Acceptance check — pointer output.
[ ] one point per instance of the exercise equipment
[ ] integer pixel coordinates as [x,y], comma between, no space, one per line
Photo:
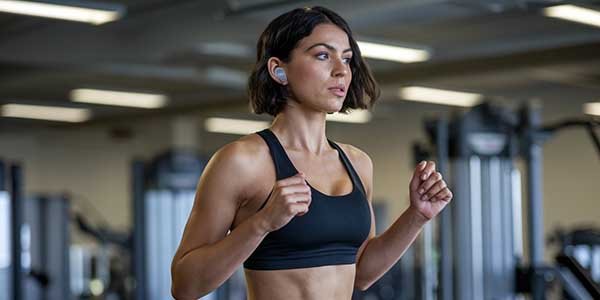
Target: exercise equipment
[34,239]
[479,237]
[579,250]
[163,195]
[16,275]
[5,235]
[45,240]
[102,269]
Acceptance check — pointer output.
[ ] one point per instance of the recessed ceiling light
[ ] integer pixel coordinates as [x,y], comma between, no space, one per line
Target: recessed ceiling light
[358,116]
[81,13]
[50,113]
[119,98]
[234,126]
[229,49]
[393,53]
[592,108]
[438,96]
[574,13]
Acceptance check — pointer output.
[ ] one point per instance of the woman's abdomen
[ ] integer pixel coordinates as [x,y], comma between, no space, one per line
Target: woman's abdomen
[326,282]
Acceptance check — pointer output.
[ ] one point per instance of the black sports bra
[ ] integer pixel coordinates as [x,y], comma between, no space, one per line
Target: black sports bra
[329,234]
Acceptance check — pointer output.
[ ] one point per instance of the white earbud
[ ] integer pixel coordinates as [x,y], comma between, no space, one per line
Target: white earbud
[280,74]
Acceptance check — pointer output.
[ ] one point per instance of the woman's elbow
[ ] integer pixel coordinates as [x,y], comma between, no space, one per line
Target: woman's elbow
[187,289]
[362,285]
[182,289]
[178,294]
[182,293]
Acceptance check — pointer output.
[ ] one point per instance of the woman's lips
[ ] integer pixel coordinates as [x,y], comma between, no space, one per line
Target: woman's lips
[338,92]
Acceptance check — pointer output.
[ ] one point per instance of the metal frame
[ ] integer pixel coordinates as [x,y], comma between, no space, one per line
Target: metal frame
[16,194]
[139,251]
[489,177]
[477,249]
[532,152]
[446,289]
[163,195]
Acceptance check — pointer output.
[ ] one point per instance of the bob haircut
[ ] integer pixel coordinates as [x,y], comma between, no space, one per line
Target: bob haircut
[279,39]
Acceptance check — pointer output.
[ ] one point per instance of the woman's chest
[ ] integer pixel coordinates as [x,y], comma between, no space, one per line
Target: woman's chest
[325,177]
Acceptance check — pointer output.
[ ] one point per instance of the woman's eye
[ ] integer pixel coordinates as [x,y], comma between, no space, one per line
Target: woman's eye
[322,56]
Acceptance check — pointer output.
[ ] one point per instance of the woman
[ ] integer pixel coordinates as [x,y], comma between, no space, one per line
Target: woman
[298,206]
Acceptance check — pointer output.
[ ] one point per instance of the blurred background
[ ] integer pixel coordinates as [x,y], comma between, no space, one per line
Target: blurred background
[111,109]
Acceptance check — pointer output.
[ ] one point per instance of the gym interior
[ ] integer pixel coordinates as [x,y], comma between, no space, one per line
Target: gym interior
[111,109]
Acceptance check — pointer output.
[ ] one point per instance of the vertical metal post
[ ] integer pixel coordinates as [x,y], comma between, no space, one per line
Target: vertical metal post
[446,291]
[476,193]
[428,263]
[17,219]
[2,176]
[139,254]
[533,156]
[5,236]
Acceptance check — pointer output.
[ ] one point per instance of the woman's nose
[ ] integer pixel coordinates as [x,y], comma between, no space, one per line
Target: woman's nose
[340,69]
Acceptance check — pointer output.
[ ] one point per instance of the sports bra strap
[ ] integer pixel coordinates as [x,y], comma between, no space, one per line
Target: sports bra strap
[283,166]
[353,175]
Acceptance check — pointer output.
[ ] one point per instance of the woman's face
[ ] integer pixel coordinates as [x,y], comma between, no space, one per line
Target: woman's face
[319,69]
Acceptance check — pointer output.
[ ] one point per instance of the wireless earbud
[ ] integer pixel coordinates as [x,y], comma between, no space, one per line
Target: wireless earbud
[280,74]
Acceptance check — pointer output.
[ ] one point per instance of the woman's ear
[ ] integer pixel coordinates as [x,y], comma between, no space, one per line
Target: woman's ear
[277,71]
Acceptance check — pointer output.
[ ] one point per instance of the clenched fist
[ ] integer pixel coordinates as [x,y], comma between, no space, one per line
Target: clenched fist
[428,191]
[290,197]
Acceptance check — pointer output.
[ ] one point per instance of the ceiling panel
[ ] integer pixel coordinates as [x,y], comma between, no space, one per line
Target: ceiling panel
[504,48]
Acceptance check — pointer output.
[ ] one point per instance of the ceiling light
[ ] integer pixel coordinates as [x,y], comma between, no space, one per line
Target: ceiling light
[592,108]
[393,53]
[234,126]
[437,96]
[574,13]
[95,16]
[51,113]
[229,49]
[359,116]
[118,98]
[226,77]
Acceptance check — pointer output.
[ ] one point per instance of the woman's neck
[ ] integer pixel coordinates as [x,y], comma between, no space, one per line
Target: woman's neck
[301,130]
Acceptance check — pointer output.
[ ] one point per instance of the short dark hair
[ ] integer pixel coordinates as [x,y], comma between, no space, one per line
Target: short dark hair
[281,37]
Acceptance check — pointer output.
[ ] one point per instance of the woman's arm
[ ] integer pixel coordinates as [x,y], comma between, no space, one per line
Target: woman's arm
[382,252]
[203,269]
[207,256]
[378,254]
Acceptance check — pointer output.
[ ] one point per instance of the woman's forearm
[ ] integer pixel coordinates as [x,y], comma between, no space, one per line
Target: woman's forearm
[204,269]
[383,251]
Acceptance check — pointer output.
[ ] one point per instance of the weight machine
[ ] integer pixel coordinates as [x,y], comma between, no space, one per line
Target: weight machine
[6,253]
[478,237]
[34,239]
[163,196]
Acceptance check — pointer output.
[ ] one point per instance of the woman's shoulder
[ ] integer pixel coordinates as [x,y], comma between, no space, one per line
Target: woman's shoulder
[239,164]
[357,156]
[243,152]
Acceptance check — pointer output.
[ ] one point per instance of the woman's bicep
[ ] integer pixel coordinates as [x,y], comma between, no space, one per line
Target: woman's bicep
[216,202]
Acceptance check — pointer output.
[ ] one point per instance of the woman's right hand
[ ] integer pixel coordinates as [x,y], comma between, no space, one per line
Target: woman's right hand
[290,197]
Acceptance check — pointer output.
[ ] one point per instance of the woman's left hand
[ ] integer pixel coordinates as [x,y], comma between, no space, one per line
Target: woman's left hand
[428,191]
